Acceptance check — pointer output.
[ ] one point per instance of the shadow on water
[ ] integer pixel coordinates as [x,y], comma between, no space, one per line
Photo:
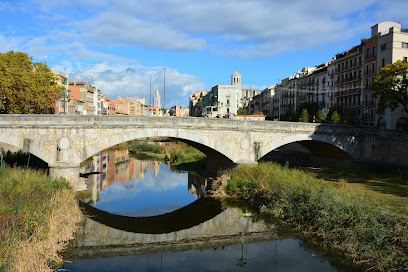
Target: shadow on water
[189,216]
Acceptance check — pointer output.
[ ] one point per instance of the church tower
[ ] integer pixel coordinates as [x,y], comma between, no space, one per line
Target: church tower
[236,79]
[156,101]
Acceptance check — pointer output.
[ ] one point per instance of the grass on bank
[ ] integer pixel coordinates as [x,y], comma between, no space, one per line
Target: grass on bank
[48,219]
[369,227]
[177,153]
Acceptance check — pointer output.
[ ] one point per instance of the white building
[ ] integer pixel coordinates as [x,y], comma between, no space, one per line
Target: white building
[392,46]
[224,99]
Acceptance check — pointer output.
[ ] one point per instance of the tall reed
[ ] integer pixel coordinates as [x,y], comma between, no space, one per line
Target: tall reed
[372,233]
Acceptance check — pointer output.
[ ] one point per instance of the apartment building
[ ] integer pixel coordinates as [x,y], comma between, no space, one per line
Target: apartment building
[179,111]
[330,90]
[61,104]
[246,96]
[368,108]
[349,71]
[392,45]
[83,92]
[195,103]
[113,106]
[104,105]
[263,102]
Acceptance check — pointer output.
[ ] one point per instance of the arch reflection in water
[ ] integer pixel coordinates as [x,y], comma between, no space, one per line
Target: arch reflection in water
[166,233]
[126,186]
[226,242]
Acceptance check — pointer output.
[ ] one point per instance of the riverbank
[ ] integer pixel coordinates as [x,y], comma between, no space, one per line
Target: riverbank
[48,219]
[178,154]
[368,226]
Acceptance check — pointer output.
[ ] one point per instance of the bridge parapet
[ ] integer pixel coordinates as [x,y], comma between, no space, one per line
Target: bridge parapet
[65,141]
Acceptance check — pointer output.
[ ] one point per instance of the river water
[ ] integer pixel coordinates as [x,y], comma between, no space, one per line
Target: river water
[144,216]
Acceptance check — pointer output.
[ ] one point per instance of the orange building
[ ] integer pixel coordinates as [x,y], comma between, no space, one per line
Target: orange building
[112,106]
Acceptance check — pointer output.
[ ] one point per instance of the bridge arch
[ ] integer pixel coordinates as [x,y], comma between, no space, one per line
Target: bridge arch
[209,146]
[25,145]
[311,142]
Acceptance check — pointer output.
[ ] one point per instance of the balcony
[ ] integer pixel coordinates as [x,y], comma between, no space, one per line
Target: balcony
[352,66]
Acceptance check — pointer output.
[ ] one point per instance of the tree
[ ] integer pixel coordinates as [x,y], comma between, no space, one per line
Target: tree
[304,117]
[321,116]
[391,86]
[350,115]
[335,117]
[241,111]
[24,84]
[311,107]
[336,108]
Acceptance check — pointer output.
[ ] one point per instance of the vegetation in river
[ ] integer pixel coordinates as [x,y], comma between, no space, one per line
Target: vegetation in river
[368,226]
[47,220]
[19,159]
[176,153]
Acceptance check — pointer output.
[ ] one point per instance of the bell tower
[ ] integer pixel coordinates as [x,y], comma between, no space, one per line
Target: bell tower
[236,78]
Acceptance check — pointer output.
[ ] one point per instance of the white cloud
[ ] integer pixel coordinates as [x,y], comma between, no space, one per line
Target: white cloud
[5,6]
[255,29]
[134,81]
[233,28]
[8,43]
[40,48]
[118,28]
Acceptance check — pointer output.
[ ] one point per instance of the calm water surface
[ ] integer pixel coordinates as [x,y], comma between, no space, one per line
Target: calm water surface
[146,217]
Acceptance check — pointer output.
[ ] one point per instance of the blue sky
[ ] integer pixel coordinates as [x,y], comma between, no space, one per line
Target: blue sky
[119,45]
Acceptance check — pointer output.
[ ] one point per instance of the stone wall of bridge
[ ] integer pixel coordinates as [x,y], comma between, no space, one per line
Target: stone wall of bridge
[65,141]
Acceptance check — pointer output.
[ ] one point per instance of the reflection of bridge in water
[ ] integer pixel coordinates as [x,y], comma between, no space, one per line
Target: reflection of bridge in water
[200,225]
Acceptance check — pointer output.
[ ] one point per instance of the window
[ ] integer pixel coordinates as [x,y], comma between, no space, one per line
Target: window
[384,46]
[374,51]
[372,67]
[366,69]
[404,45]
[368,53]
[382,62]
[372,113]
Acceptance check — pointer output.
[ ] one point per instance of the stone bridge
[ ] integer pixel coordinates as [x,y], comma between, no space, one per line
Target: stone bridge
[65,141]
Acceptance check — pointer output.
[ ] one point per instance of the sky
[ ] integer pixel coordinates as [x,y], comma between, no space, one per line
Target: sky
[132,48]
